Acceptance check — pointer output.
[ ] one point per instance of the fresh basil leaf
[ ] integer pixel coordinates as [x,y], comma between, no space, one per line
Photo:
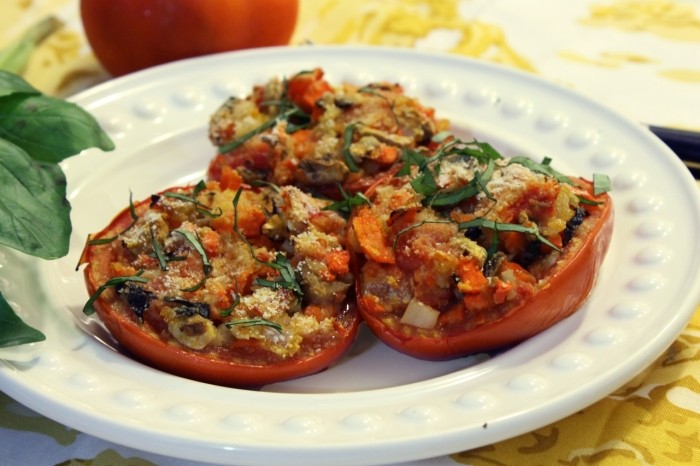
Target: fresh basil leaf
[193,239]
[10,84]
[424,183]
[287,279]
[13,331]
[253,322]
[34,213]
[49,129]
[162,260]
[483,152]
[447,198]
[411,158]
[88,308]
[481,222]
[201,208]
[544,168]
[601,184]
[347,142]
[344,207]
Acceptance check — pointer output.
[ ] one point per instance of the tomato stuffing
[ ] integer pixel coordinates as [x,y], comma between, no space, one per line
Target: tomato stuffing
[305,132]
[365,207]
[467,251]
[236,286]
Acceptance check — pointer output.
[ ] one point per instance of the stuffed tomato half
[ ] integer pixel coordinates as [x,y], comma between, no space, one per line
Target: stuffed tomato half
[465,251]
[306,132]
[225,284]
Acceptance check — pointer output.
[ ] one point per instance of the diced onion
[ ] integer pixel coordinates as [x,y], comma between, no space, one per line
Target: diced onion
[420,315]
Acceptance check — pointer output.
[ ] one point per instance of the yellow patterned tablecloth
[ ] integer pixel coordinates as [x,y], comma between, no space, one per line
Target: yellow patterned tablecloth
[596,47]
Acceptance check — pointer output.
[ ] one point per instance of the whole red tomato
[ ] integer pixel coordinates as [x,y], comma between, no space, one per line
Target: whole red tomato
[129,35]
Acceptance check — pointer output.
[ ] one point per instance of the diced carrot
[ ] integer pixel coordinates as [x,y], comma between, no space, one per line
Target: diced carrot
[223,295]
[386,155]
[223,223]
[250,222]
[513,241]
[501,291]
[230,178]
[471,278]
[453,316]
[211,241]
[306,88]
[479,300]
[372,237]
[338,262]
[521,274]
[315,311]
[472,282]
[371,303]
[303,143]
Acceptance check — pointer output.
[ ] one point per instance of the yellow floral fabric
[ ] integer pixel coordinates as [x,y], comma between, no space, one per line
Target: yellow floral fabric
[652,420]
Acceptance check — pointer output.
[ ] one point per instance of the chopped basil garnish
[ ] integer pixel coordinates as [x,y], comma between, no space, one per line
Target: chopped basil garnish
[586,201]
[193,199]
[287,278]
[255,321]
[134,218]
[344,206]
[416,225]
[295,117]
[425,183]
[162,261]
[88,309]
[347,142]
[497,226]
[236,301]
[196,286]
[471,189]
[197,245]
[601,184]
[99,241]
[544,168]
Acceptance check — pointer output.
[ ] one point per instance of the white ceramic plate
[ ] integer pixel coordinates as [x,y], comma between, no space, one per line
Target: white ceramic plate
[376,406]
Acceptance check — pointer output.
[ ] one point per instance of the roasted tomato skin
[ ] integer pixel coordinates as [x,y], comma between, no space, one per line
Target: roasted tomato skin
[563,294]
[214,366]
[129,35]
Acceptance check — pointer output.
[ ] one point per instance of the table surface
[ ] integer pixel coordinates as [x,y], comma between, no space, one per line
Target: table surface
[595,47]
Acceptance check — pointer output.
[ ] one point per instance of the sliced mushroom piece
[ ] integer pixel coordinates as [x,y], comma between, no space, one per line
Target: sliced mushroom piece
[385,137]
[324,171]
